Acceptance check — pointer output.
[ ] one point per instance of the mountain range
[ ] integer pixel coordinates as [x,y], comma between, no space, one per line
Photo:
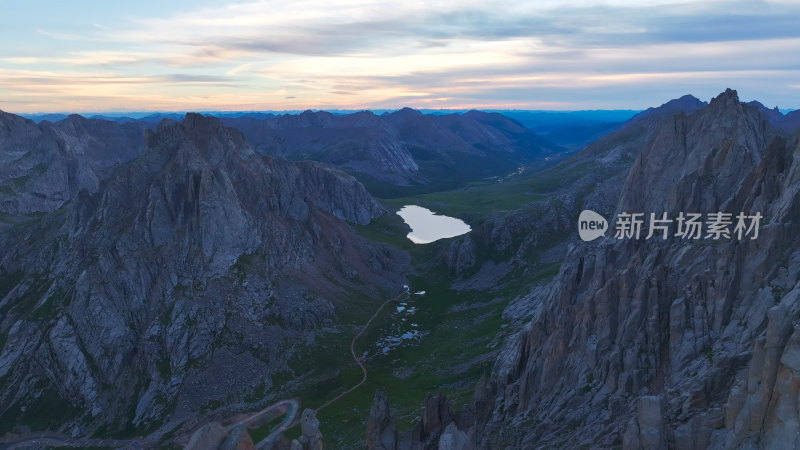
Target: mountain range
[132,274]
[161,273]
[653,343]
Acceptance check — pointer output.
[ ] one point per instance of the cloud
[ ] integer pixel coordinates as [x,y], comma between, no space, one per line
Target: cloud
[341,28]
[61,36]
[359,53]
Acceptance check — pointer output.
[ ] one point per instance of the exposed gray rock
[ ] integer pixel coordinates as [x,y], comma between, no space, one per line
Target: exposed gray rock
[311,439]
[186,278]
[438,428]
[43,166]
[676,343]
[208,437]
[381,430]
[436,416]
[453,439]
[238,439]
[646,428]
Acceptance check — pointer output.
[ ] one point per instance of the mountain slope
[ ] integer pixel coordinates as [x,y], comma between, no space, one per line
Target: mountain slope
[521,230]
[401,148]
[187,280]
[46,164]
[679,344]
[500,213]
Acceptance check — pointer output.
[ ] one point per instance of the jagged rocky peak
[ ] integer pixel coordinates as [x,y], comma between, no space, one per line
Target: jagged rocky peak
[18,136]
[206,128]
[718,144]
[669,343]
[437,428]
[406,112]
[102,142]
[687,103]
[381,429]
[44,165]
[8,121]
[206,134]
[278,184]
[729,97]
[194,257]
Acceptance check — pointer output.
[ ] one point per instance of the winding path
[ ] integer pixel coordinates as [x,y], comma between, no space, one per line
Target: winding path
[356,358]
[40,440]
[291,406]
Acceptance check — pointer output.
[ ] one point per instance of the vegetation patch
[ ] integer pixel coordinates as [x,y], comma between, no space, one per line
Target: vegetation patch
[49,411]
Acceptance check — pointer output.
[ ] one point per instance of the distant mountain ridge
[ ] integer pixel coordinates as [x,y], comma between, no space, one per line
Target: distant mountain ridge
[45,164]
[402,148]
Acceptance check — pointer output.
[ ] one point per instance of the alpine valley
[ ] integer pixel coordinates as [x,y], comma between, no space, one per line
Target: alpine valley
[163,278]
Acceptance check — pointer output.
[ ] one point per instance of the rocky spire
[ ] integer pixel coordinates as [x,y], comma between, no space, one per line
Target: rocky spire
[671,344]
[381,431]
[311,439]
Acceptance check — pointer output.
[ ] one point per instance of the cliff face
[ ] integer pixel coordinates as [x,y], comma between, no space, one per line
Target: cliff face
[42,166]
[592,178]
[185,279]
[676,343]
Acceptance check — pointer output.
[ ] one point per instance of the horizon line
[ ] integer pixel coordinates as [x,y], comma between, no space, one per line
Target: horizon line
[290,111]
[145,113]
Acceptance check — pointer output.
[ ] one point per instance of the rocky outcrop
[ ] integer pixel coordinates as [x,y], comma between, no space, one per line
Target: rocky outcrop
[381,430]
[438,428]
[209,436]
[238,439]
[434,419]
[686,105]
[213,436]
[592,178]
[311,437]
[189,277]
[669,343]
[43,166]
[453,439]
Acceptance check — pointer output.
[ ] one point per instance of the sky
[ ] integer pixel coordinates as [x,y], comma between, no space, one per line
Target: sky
[200,55]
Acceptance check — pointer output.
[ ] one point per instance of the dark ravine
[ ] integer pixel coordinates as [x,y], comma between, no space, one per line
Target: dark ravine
[186,277]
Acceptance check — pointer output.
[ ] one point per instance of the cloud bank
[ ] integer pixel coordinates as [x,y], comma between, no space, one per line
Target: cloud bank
[378,54]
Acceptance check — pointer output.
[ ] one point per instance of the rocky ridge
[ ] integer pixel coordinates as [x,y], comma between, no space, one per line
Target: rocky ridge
[437,428]
[42,166]
[650,344]
[674,343]
[594,176]
[186,278]
[400,148]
